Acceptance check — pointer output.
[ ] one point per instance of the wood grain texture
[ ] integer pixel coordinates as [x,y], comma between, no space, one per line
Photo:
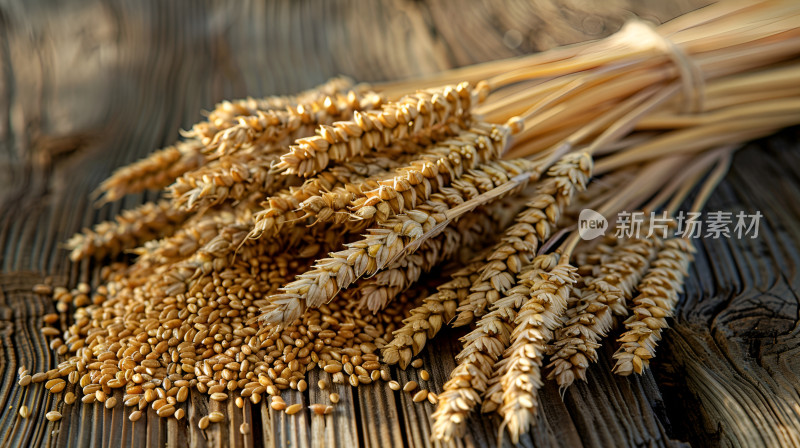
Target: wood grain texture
[91,85]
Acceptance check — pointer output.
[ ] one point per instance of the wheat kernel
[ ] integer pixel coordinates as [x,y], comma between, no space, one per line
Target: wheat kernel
[69,398]
[216,417]
[318,409]
[417,363]
[433,398]
[294,409]
[302,385]
[24,412]
[135,416]
[219,396]
[53,416]
[166,411]
[239,402]
[334,398]
[244,428]
[394,385]
[424,375]
[332,368]
[203,423]
[24,381]
[409,386]
[278,405]
[50,331]
[39,377]
[111,402]
[322,384]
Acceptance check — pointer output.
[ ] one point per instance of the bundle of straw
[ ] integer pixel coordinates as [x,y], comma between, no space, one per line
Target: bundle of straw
[358,191]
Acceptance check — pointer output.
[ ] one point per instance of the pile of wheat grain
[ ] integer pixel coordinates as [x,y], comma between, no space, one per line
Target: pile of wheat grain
[302,232]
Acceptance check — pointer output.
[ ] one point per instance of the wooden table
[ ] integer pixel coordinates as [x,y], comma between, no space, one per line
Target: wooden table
[92,85]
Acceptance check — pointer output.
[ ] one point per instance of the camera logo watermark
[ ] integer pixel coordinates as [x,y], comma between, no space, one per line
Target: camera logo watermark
[711,225]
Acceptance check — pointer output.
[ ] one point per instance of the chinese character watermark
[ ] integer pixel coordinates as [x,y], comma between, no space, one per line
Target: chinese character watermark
[711,225]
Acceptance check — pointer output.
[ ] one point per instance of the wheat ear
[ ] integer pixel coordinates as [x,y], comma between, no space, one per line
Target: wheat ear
[518,374]
[227,114]
[334,205]
[469,233]
[520,242]
[435,169]
[282,127]
[658,294]
[193,235]
[370,130]
[318,195]
[398,236]
[482,348]
[153,172]
[128,230]
[589,317]
[425,321]
[233,178]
